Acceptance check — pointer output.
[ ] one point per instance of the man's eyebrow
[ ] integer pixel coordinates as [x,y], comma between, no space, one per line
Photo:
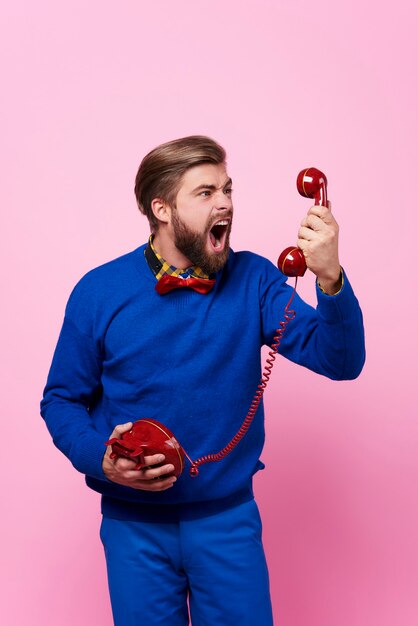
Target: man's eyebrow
[213,187]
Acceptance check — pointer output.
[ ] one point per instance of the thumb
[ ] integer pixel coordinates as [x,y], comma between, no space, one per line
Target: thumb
[120,429]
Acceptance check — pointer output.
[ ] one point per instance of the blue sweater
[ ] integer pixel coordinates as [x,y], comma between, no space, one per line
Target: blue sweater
[189,360]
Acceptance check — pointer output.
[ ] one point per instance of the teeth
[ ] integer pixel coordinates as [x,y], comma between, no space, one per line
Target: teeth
[222,223]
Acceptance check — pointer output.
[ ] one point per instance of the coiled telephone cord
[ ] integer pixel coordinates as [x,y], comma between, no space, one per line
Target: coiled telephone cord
[289,315]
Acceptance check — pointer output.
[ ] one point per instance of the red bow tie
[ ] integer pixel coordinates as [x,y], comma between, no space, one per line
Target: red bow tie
[168,283]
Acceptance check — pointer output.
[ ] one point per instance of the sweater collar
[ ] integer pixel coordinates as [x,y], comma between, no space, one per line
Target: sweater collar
[160,267]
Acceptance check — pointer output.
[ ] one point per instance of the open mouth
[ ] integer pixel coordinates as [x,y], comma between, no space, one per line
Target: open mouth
[217,235]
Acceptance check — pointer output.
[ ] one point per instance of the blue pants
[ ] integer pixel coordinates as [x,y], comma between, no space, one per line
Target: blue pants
[214,564]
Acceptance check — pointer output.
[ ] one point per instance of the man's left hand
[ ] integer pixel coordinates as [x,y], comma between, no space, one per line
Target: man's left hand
[318,240]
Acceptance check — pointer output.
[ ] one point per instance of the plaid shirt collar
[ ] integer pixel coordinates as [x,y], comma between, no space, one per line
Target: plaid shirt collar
[160,267]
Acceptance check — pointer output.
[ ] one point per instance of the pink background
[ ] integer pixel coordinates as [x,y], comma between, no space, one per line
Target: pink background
[88,89]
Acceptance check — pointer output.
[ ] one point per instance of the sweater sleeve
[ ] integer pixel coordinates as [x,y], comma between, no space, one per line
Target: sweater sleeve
[328,340]
[73,385]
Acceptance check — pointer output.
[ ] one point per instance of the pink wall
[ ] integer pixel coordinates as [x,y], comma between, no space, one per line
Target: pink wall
[88,88]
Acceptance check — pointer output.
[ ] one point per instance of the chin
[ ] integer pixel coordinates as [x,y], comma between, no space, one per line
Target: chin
[213,263]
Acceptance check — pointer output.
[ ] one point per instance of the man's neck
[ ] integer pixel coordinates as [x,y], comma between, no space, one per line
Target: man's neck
[166,248]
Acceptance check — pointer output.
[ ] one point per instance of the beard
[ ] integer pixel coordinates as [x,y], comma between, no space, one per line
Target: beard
[194,245]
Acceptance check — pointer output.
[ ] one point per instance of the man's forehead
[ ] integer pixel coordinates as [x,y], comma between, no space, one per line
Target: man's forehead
[206,174]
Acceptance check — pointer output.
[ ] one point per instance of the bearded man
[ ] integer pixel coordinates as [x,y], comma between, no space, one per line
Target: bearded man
[172,331]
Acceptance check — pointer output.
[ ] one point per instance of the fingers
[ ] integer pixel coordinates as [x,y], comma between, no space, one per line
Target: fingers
[149,473]
[305,234]
[323,212]
[155,476]
[154,485]
[312,221]
[318,240]
[151,478]
[155,459]
[319,219]
[303,244]
[122,464]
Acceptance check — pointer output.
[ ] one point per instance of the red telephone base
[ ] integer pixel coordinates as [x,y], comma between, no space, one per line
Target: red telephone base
[148,437]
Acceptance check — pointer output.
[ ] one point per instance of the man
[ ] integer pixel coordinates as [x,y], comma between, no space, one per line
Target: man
[134,346]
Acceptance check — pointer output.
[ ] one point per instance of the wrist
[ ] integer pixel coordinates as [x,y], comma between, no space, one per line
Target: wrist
[332,284]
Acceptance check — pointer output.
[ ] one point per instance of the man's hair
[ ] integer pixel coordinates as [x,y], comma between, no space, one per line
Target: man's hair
[161,170]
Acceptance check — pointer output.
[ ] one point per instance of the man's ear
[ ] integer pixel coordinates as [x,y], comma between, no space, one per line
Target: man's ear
[161,210]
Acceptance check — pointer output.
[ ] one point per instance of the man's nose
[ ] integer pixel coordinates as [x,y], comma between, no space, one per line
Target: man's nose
[222,202]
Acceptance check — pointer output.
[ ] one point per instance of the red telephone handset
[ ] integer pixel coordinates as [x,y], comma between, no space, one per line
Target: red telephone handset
[148,437]
[311,183]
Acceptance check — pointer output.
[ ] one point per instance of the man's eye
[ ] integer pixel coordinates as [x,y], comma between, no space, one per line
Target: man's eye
[205,193]
[228,191]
